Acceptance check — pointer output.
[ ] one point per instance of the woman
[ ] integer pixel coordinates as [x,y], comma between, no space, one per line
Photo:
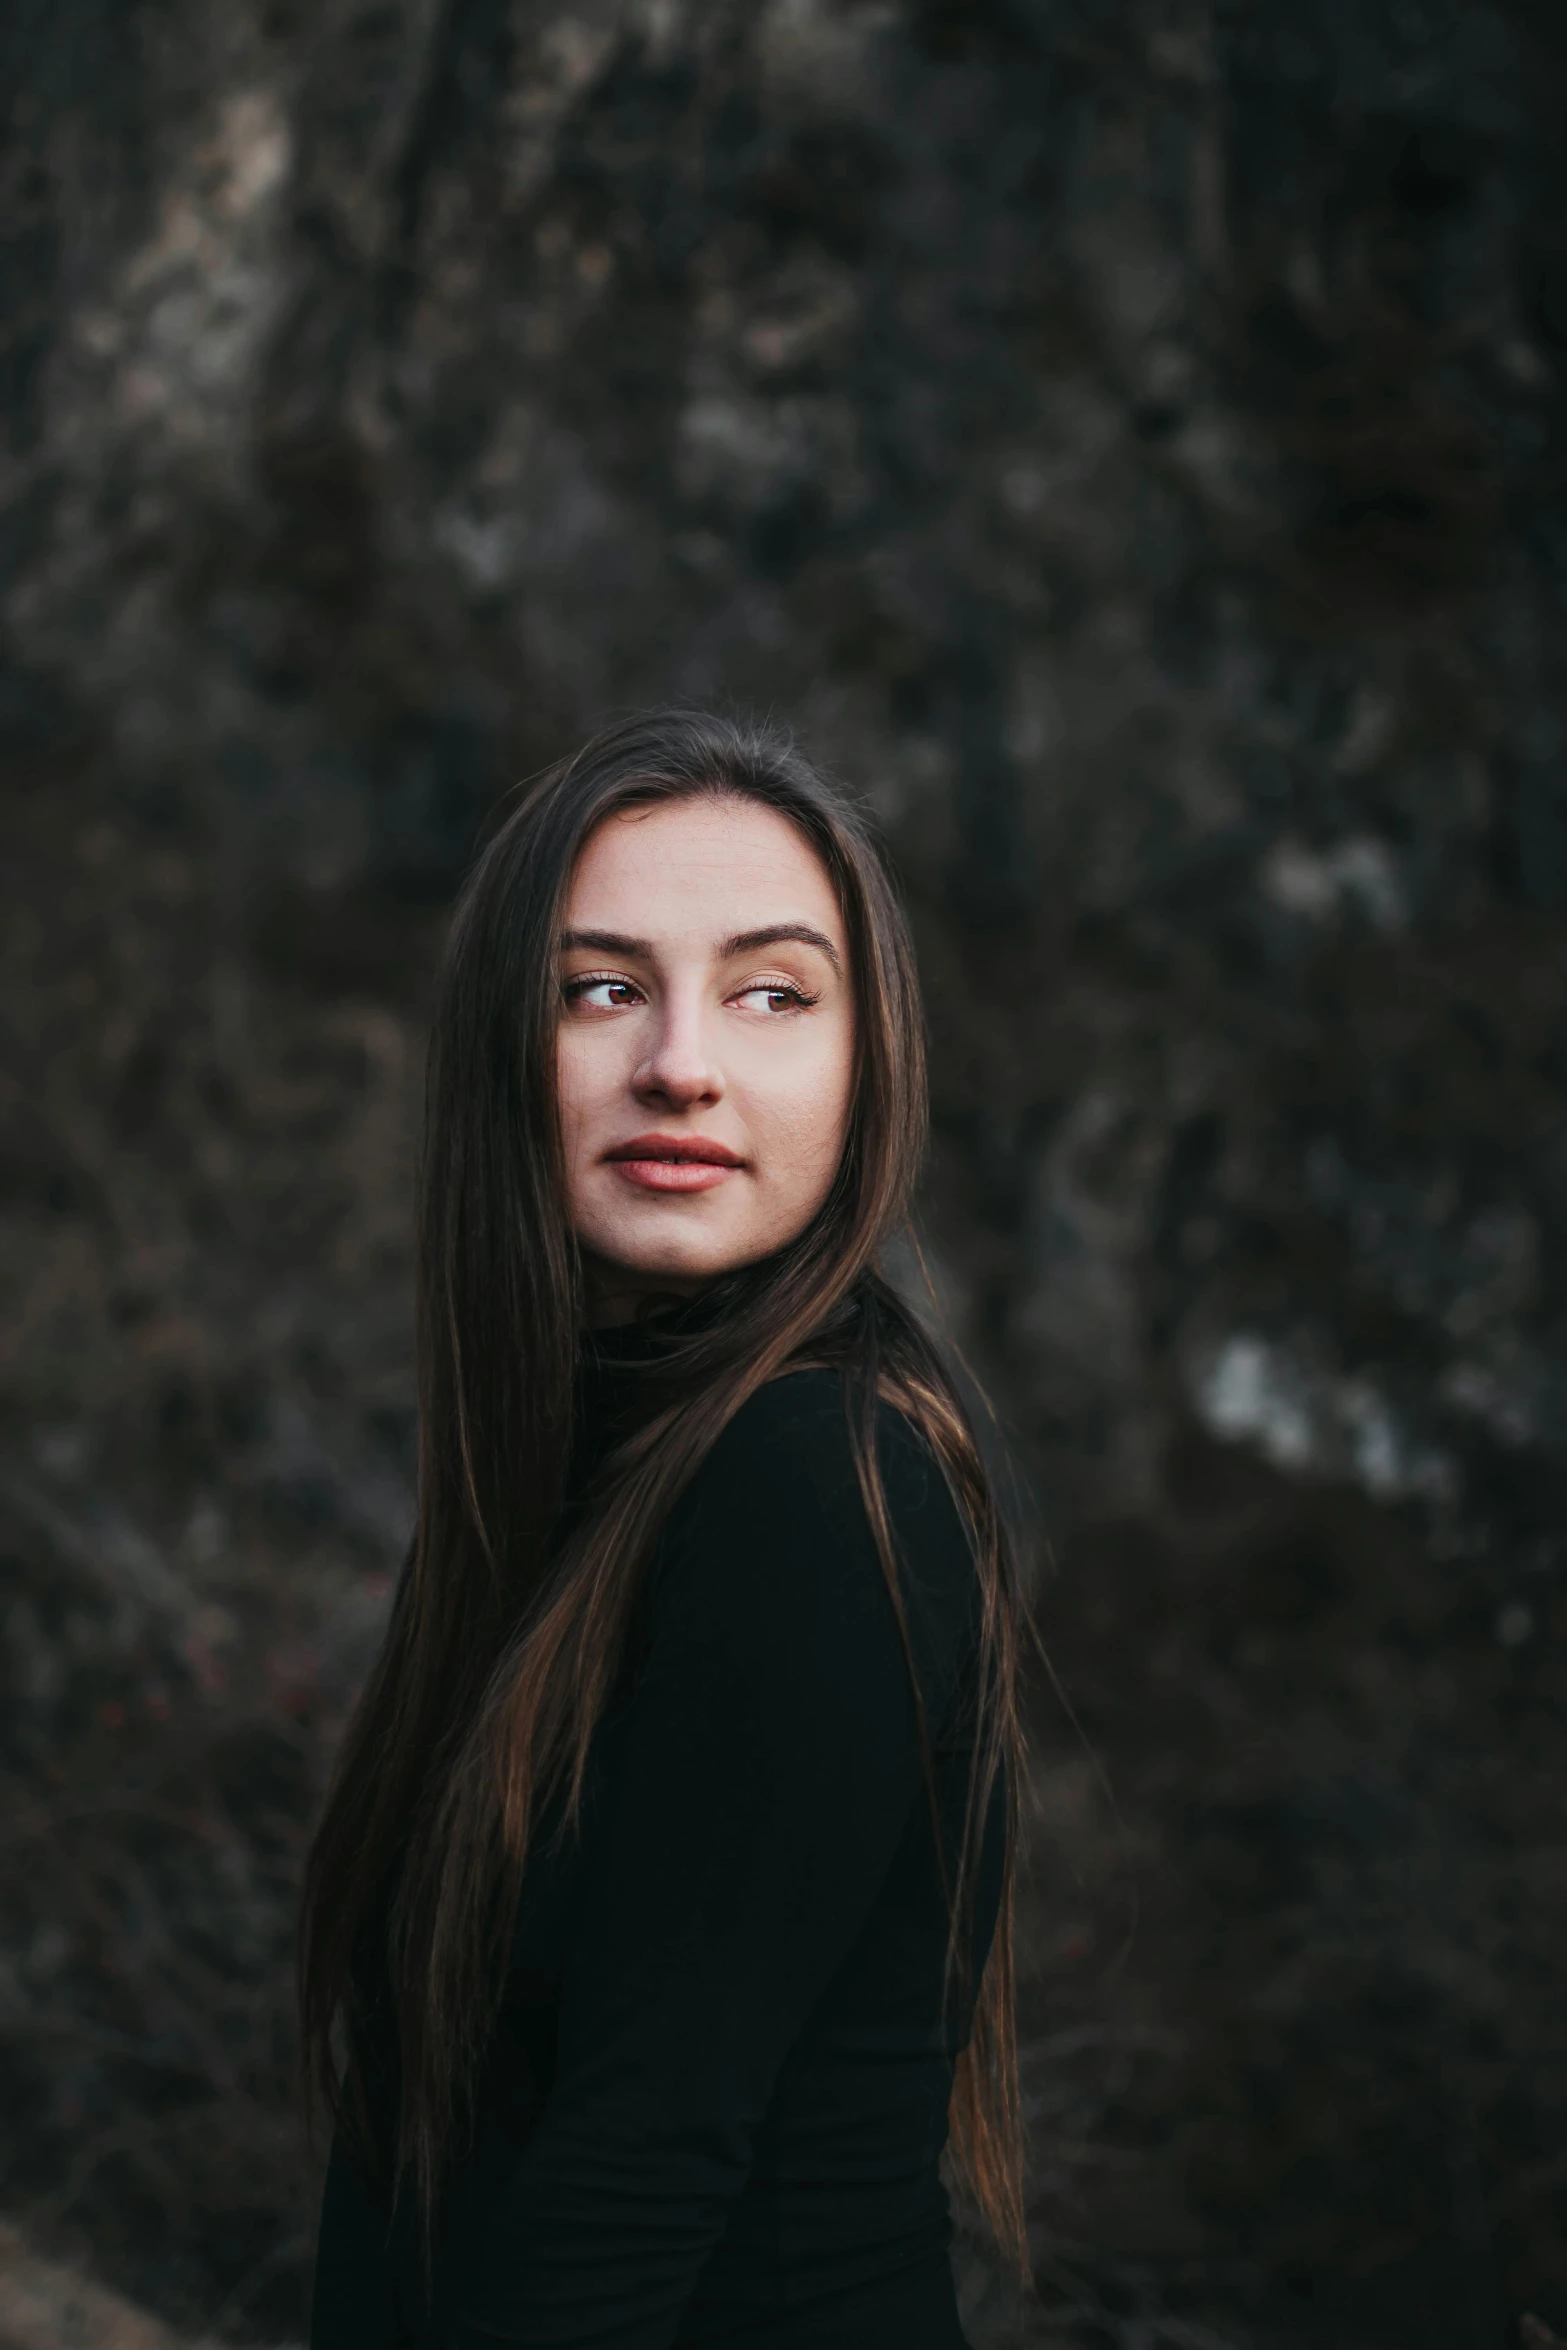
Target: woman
[655,1905]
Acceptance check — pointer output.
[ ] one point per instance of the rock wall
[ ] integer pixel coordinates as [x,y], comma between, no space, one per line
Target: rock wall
[1128,441]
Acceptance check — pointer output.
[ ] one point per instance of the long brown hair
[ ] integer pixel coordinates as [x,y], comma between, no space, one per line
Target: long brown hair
[506,1634]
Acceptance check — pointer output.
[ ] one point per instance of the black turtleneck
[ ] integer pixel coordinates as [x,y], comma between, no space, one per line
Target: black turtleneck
[716,2102]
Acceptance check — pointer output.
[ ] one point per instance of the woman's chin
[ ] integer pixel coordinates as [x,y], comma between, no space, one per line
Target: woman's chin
[646,1237]
[681,1262]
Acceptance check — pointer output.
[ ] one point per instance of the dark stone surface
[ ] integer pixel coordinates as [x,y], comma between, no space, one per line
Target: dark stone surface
[1131,442]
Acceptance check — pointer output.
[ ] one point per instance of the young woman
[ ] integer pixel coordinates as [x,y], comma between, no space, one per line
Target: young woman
[657,1928]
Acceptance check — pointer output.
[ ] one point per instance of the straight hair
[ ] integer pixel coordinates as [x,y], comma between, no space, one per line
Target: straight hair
[508,1628]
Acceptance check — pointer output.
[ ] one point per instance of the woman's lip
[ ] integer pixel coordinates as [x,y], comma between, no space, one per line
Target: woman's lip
[690,1147]
[673,1162]
[672,1174]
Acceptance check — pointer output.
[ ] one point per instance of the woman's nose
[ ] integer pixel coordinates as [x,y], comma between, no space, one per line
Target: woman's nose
[681,1068]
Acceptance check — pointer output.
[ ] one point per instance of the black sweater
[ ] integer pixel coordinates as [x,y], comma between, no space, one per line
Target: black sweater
[717,2098]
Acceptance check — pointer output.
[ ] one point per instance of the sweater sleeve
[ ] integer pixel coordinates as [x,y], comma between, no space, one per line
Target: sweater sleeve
[771,1756]
[353,2306]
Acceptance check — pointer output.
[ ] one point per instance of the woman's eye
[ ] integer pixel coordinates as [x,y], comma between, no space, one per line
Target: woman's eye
[779,997]
[602,995]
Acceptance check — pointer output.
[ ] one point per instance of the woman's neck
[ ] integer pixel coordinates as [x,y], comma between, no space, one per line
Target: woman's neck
[613,1296]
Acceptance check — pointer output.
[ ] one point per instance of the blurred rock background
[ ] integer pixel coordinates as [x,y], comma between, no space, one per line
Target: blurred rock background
[1129,439]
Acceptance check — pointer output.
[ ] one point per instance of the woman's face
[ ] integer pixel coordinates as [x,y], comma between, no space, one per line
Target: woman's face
[706,1044]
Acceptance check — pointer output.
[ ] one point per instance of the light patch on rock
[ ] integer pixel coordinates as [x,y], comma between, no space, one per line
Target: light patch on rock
[805,311]
[748,454]
[1368,731]
[194,304]
[555,67]
[1252,1393]
[1078,1316]
[1498,1270]
[1076,428]
[1225,462]
[819,48]
[1381,1462]
[1357,875]
[1278,1397]
[1514,1624]
[532,507]
[1034,727]
[485,548]
[1502,1391]
[734,444]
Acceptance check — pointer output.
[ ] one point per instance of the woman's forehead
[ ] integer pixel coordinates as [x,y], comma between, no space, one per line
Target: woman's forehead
[700,867]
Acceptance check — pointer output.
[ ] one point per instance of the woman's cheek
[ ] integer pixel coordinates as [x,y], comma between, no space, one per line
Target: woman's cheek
[581,1093]
[829,1106]
[809,1125]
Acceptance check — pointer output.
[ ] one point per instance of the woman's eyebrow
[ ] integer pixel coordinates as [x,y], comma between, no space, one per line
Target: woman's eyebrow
[746,942]
[608,942]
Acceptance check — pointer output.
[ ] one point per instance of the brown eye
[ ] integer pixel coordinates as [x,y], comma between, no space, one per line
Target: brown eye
[774,999]
[602,995]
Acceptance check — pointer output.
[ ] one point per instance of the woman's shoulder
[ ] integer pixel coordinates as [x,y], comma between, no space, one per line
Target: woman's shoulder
[770,1552]
[803,1419]
[788,1458]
